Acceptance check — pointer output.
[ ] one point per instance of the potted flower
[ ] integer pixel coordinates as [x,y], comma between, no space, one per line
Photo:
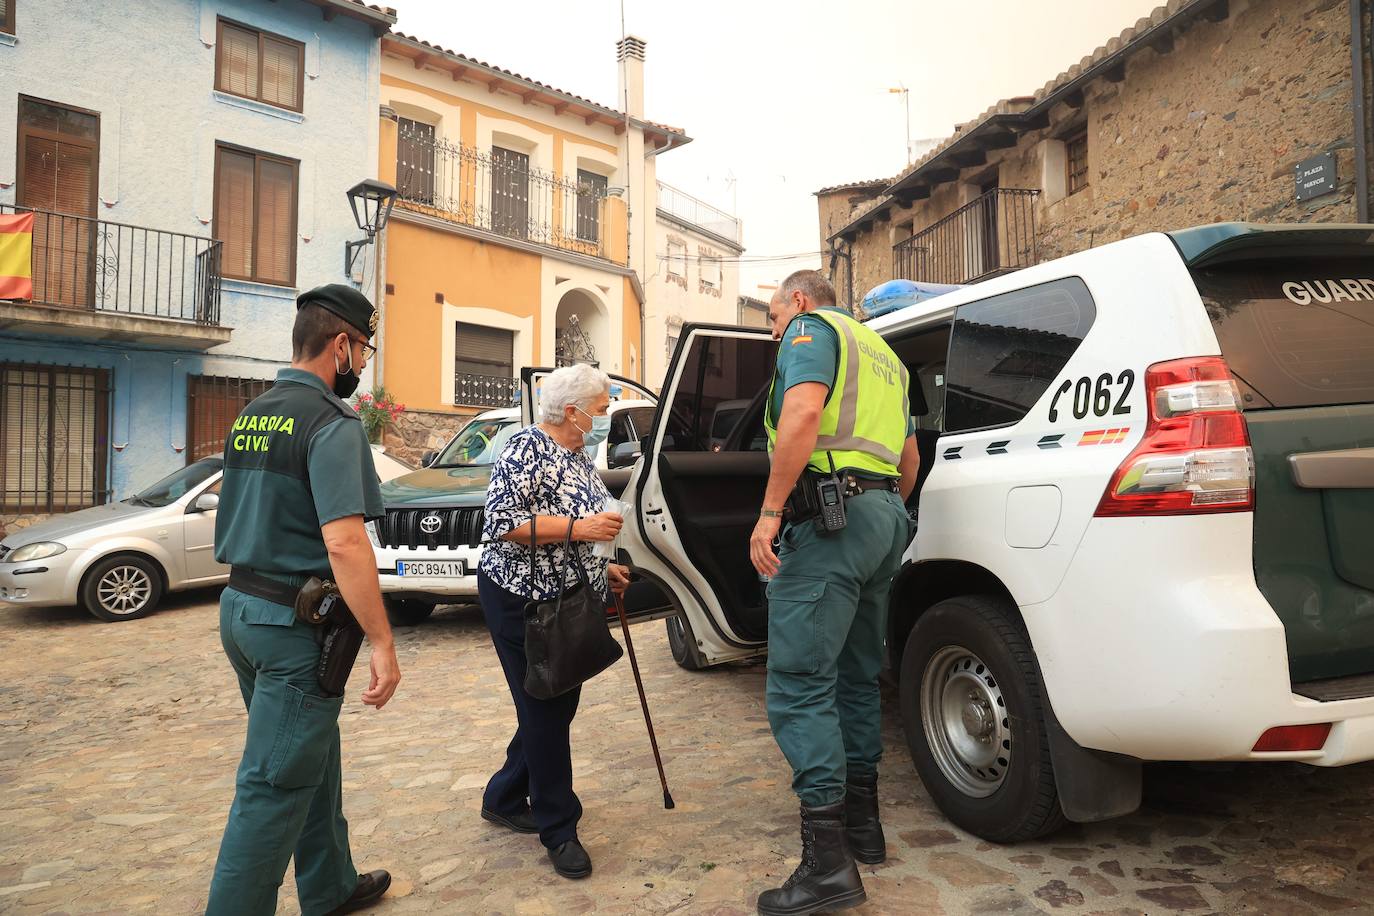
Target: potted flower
[378,411]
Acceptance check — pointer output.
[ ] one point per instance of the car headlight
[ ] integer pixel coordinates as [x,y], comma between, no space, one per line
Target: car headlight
[40,550]
[371,528]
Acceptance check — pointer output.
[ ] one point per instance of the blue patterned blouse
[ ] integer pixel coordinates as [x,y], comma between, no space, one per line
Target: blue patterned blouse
[535,475]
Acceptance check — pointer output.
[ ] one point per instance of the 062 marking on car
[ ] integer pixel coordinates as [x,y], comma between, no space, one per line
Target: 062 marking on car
[1094,396]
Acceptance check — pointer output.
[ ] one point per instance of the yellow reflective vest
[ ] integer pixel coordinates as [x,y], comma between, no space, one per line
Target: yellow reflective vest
[864,423]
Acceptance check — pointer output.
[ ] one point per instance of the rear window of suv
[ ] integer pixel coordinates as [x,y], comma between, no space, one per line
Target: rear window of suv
[1295,334]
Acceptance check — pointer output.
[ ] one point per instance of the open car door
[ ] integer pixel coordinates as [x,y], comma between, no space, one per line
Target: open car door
[645,599]
[698,487]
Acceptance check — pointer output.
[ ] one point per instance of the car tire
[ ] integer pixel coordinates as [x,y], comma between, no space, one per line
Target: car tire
[123,587]
[681,640]
[408,613]
[972,708]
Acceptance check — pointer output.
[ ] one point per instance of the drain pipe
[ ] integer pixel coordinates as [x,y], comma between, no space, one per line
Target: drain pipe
[1361,109]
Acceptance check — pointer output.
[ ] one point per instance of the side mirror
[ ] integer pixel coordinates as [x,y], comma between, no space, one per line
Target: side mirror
[428,458]
[624,455]
[206,502]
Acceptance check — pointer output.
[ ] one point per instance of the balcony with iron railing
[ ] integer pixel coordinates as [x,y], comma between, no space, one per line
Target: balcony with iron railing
[684,208]
[993,234]
[499,192]
[105,280]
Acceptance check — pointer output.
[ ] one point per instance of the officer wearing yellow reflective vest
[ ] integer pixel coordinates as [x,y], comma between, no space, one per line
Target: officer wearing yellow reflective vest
[840,432]
[298,483]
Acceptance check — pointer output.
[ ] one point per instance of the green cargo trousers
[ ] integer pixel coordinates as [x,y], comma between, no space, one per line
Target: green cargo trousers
[827,621]
[288,797]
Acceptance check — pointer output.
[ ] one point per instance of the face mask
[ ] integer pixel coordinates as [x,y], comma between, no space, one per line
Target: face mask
[345,383]
[601,428]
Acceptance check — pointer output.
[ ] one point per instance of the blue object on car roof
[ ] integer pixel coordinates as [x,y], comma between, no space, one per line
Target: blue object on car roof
[899,294]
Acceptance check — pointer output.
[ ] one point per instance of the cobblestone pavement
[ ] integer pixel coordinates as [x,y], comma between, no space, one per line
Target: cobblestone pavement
[119,743]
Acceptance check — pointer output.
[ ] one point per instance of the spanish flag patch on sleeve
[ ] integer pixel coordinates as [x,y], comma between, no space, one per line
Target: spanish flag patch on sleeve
[801,338]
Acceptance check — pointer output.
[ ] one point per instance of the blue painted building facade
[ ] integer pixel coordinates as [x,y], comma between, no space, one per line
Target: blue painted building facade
[186,162]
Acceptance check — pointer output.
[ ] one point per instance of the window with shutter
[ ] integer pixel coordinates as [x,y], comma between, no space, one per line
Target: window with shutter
[483,365]
[59,154]
[259,65]
[415,161]
[510,192]
[54,423]
[591,190]
[212,405]
[7,16]
[255,215]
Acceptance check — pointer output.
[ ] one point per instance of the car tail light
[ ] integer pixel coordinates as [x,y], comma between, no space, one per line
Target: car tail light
[1195,456]
[1294,737]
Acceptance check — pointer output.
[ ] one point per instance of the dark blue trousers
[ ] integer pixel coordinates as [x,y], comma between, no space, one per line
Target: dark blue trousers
[537,774]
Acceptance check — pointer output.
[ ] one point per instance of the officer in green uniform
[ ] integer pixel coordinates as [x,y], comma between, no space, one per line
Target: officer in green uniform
[298,483]
[838,402]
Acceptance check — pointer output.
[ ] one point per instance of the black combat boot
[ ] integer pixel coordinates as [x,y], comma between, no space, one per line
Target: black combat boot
[827,878]
[861,822]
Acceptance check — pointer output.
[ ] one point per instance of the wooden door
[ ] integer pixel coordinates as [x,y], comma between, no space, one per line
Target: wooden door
[59,167]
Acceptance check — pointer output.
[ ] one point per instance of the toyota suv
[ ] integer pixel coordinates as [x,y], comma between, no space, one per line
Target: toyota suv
[1143,517]
[428,544]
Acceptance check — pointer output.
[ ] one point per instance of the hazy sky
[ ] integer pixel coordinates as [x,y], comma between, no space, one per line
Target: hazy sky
[785,98]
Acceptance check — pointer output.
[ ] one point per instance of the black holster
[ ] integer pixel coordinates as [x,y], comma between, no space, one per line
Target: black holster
[343,639]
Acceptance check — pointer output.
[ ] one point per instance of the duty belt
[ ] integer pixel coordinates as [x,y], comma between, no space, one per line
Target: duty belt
[259,586]
[853,485]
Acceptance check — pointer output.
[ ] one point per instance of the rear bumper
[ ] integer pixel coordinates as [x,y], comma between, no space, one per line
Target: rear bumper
[1185,660]
[421,587]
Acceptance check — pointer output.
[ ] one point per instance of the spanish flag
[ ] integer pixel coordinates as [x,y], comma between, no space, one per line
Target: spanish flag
[16,256]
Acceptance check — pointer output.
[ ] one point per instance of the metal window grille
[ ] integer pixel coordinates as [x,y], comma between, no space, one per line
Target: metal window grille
[212,405]
[483,366]
[54,438]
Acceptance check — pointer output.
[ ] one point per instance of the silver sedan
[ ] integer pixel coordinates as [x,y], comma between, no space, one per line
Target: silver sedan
[118,560]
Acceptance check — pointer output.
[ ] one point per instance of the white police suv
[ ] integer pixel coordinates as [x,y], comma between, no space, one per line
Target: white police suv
[1145,517]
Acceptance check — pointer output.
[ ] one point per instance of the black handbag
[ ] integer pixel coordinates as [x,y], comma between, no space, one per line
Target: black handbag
[567,640]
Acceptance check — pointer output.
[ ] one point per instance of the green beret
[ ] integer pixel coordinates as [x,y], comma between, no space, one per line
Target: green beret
[344,301]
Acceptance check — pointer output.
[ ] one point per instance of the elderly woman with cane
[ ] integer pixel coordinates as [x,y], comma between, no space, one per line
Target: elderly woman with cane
[543,480]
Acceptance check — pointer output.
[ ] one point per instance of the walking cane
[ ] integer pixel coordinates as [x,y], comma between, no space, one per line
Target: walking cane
[643,703]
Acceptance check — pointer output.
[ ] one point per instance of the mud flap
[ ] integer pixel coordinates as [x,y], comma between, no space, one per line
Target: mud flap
[1093,785]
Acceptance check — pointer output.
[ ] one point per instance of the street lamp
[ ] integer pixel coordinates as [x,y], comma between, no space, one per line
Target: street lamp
[371,201]
[906,100]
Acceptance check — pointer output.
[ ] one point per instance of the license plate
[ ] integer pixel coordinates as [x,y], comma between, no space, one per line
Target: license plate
[437,569]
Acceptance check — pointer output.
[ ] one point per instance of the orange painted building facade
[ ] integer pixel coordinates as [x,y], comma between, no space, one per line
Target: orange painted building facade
[512,242]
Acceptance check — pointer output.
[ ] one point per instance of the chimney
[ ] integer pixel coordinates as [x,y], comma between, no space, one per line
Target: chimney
[629,52]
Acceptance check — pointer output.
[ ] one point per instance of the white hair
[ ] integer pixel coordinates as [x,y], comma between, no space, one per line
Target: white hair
[572,386]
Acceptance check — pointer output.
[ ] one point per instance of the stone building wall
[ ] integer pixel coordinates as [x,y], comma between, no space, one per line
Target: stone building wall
[1209,132]
[415,432]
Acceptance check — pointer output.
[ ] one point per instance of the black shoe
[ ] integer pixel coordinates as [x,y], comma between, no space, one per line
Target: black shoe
[570,860]
[864,830]
[520,823]
[370,889]
[827,878]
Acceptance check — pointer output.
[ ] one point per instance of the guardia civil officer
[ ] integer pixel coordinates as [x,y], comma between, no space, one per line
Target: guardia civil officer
[837,411]
[298,483]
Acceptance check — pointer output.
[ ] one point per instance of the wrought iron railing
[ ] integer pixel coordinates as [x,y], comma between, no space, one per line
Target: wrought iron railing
[689,209]
[84,263]
[990,235]
[499,191]
[470,390]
